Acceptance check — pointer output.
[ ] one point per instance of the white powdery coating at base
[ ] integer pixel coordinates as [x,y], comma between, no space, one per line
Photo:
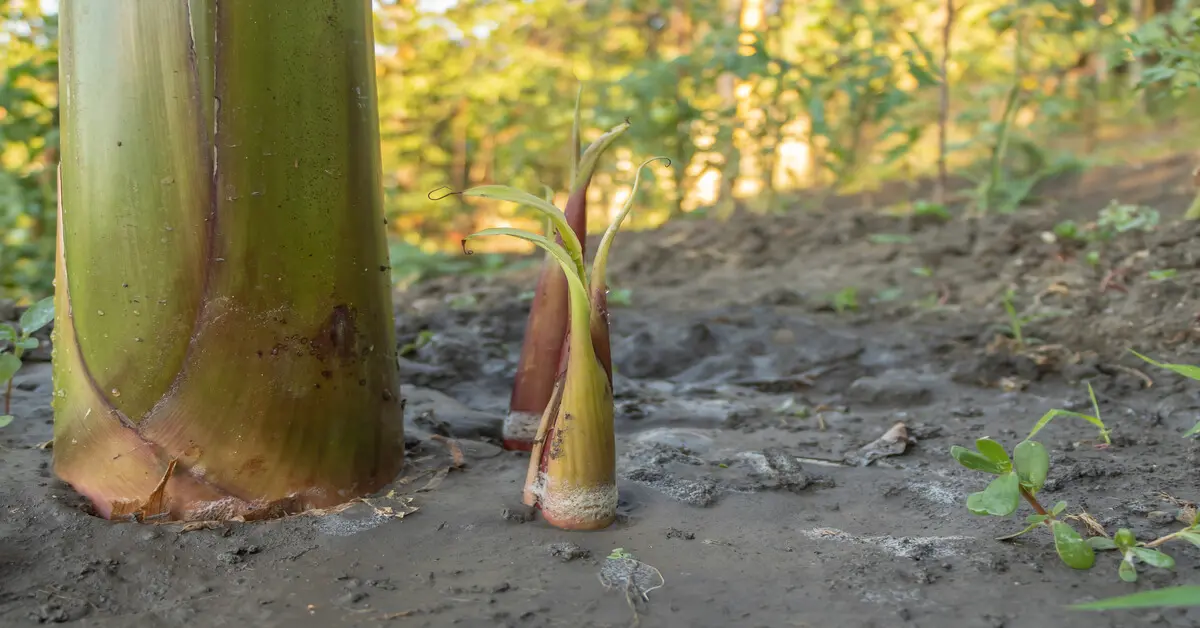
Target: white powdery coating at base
[901,546]
[521,425]
[572,503]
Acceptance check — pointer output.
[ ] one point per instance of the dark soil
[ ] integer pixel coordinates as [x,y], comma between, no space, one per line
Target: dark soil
[751,492]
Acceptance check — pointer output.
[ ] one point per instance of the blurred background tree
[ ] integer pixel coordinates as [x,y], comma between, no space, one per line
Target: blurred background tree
[763,105]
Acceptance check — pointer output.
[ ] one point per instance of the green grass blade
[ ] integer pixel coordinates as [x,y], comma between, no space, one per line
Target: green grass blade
[1051,415]
[1170,597]
[1187,370]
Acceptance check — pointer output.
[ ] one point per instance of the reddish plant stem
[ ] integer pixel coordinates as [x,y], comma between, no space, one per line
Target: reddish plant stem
[1033,502]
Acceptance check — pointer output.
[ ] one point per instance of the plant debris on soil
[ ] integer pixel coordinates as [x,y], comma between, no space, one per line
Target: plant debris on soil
[781,464]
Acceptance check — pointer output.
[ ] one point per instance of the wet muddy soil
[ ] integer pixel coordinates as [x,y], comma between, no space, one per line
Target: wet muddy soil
[756,489]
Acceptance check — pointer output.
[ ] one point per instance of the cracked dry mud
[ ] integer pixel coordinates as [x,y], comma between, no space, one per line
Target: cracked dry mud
[744,409]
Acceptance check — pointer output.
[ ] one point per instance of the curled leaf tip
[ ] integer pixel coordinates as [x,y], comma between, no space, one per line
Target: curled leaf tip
[450,192]
[465,250]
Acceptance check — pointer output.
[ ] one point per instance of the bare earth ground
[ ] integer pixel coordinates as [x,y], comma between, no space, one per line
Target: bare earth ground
[743,402]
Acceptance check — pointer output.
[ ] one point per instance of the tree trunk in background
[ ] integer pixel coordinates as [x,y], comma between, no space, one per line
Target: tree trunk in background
[224,337]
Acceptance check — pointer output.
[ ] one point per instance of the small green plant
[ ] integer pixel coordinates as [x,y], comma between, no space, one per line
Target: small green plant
[1186,370]
[1021,476]
[1120,218]
[1162,274]
[619,553]
[620,296]
[1017,321]
[33,319]
[926,208]
[1131,552]
[1094,419]
[845,300]
[1070,230]
[1024,473]
[422,339]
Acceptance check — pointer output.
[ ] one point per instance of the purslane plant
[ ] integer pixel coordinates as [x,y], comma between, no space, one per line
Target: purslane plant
[19,340]
[545,330]
[1024,474]
[572,468]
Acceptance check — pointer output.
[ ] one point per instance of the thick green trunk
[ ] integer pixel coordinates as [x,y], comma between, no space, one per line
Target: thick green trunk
[223,290]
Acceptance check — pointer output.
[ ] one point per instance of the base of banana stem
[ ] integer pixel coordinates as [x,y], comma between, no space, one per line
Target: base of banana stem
[568,506]
[520,429]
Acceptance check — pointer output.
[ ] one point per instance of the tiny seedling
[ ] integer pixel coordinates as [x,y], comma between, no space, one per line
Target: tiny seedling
[1162,275]
[1018,321]
[1186,370]
[1120,218]
[926,208]
[1069,230]
[845,300]
[422,339]
[33,319]
[620,296]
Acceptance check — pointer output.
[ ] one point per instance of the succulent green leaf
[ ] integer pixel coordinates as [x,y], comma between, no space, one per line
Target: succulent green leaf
[1127,571]
[975,504]
[1072,549]
[7,333]
[1170,597]
[976,461]
[1192,432]
[37,316]
[1124,539]
[5,419]
[993,451]
[1032,463]
[9,365]
[27,344]
[1058,508]
[1154,557]
[570,243]
[1002,495]
[1036,518]
[1101,543]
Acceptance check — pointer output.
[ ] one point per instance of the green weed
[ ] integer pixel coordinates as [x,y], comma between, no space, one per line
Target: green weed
[1023,474]
[20,339]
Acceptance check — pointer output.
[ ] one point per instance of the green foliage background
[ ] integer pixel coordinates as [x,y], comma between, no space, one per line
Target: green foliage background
[475,91]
